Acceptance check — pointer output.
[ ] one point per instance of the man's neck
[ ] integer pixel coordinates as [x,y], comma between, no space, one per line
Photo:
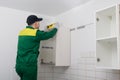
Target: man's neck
[32,26]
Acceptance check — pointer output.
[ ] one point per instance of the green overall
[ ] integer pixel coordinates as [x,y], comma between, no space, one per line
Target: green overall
[28,51]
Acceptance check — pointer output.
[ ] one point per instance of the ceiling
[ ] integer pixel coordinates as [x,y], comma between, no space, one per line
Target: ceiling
[46,7]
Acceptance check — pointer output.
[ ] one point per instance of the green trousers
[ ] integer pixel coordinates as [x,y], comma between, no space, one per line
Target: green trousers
[27,72]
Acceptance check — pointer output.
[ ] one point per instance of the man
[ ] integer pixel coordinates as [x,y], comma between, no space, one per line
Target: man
[28,48]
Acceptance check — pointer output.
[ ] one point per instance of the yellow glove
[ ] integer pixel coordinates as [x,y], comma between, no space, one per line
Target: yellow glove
[51,26]
[54,25]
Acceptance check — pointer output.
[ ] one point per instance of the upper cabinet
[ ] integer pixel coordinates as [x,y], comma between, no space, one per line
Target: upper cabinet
[56,51]
[107,38]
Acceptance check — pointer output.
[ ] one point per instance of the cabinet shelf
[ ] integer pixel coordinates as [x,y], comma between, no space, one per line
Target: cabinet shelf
[108,68]
[107,39]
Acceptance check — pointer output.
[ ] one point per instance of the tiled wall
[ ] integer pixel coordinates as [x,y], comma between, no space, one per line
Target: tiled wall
[84,69]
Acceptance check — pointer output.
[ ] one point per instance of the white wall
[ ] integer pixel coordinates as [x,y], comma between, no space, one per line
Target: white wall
[11,22]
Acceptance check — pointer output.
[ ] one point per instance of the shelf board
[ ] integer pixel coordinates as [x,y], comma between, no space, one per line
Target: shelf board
[108,39]
[114,68]
[108,11]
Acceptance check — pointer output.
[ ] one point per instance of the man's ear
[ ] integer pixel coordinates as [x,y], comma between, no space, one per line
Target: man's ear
[35,23]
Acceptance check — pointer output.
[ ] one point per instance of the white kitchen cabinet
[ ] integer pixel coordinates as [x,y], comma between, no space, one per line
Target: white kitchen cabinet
[83,43]
[56,51]
[107,38]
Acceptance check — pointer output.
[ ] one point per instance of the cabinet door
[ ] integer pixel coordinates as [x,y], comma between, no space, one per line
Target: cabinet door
[83,42]
[63,47]
[47,51]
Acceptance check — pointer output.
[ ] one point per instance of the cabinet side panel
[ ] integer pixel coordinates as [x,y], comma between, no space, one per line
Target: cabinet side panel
[63,47]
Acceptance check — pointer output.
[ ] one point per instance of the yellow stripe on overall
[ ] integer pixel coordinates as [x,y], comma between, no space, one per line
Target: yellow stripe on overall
[28,32]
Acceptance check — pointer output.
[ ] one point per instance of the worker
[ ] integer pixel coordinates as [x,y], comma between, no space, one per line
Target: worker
[28,47]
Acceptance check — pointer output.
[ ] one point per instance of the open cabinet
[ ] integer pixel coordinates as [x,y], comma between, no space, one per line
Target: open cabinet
[56,51]
[107,38]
